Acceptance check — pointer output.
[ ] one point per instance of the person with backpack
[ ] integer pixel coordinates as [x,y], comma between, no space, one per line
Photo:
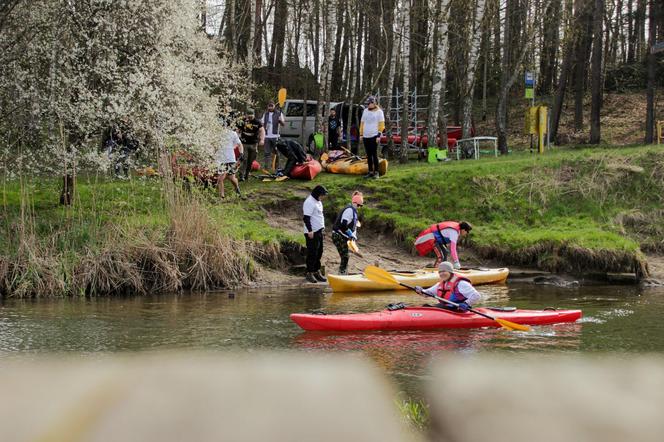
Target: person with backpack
[345,229]
[272,119]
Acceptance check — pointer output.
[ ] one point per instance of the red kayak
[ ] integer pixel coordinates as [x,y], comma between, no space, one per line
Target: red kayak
[306,171]
[427,318]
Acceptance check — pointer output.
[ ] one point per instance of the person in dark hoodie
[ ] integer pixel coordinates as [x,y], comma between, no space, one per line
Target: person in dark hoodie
[314,225]
[294,154]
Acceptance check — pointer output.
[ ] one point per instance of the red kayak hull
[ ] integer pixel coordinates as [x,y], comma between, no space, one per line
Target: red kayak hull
[306,171]
[428,318]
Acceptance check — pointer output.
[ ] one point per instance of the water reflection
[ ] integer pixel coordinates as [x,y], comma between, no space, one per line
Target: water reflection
[616,318]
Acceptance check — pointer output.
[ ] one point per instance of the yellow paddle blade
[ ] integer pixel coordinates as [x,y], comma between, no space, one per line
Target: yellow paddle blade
[352,245]
[282,96]
[511,325]
[376,274]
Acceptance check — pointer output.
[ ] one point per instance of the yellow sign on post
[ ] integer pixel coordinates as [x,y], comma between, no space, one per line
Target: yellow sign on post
[531,120]
[542,125]
[660,132]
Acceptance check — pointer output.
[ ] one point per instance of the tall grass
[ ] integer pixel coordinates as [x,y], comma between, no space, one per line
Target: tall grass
[119,238]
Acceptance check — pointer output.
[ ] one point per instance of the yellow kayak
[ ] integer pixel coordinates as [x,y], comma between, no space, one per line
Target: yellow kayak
[423,278]
[351,166]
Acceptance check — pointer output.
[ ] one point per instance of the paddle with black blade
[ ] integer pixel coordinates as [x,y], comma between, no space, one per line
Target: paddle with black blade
[381,276]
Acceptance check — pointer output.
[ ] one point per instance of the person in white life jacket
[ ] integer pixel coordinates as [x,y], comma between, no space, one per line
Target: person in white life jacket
[345,229]
[438,237]
[452,287]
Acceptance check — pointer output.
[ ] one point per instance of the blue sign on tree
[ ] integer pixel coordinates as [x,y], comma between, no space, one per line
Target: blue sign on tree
[530,79]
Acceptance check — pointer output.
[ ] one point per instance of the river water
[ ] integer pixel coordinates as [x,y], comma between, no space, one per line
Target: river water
[616,319]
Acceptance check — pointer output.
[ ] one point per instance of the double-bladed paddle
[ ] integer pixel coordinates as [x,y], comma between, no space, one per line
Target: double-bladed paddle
[381,276]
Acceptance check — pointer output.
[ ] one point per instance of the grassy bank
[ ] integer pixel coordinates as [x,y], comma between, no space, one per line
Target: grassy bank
[571,210]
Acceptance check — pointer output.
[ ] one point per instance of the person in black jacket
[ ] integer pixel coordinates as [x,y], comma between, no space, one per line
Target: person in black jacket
[294,154]
[345,229]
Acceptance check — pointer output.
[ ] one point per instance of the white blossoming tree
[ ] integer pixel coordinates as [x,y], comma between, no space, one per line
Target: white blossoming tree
[71,69]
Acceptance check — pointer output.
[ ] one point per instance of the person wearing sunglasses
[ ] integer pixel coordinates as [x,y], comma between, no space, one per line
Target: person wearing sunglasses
[345,229]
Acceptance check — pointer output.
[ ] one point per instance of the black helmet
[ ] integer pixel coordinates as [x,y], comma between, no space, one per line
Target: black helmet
[463,225]
[318,191]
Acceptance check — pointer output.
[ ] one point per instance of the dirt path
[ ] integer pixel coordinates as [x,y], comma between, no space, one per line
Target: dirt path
[380,249]
[376,249]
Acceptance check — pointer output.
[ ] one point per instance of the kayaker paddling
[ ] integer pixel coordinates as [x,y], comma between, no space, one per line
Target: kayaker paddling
[345,229]
[438,237]
[314,226]
[452,287]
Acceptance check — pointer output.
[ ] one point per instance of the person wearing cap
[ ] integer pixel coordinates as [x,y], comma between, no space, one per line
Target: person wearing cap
[438,237]
[314,226]
[452,287]
[272,119]
[252,136]
[294,154]
[345,229]
[371,125]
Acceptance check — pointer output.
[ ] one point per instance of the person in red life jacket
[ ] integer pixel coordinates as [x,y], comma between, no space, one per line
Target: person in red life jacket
[439,236]
[345,229]
[452,287]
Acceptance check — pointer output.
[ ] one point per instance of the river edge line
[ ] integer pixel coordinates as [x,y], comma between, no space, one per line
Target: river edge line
[570,211]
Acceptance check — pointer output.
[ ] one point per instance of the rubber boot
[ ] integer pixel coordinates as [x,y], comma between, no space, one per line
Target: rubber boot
[311,278]
[319,276]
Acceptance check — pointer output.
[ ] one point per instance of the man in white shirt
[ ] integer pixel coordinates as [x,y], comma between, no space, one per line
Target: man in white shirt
[226,162]
[371,125]
[452,287]
[272,119]
[314,225]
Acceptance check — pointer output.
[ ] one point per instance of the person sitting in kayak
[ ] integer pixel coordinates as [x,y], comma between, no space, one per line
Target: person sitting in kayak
[294,154]
[437,238]
[452,287]
[345,229]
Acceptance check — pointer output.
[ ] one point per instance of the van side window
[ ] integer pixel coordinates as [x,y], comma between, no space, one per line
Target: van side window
[294,110]
[311,110]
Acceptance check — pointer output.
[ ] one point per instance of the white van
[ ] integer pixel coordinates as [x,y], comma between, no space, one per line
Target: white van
[297,127]
[300,128]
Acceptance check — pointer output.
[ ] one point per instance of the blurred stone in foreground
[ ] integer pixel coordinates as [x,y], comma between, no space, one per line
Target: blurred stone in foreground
[193,397]
[546,398]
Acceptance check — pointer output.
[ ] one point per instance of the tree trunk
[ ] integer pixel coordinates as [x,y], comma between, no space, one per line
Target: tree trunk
[565,70]
[631,35]
[596,68]
[329,16]
[405,61]
[652,63]
[469,89]
[551,38]
[396,44]
[252,36]
[439,72]
[278,35]
[581,59]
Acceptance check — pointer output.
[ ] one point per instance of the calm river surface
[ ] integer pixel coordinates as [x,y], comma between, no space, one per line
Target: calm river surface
[616,319]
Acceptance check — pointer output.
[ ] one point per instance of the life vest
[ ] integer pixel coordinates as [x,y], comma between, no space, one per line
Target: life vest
[336,227]
[448,289]
[426,239]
